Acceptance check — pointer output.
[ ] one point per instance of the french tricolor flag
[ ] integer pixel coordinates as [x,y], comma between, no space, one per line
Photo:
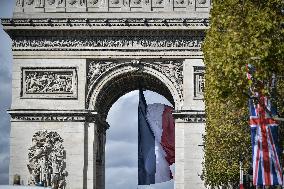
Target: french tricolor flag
[156,142]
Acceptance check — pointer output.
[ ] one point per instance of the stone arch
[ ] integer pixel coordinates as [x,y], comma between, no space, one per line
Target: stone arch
[120,78]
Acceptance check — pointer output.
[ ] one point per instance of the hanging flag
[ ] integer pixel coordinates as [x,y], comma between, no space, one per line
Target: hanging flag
[161,123]
[146,146]
[267,170]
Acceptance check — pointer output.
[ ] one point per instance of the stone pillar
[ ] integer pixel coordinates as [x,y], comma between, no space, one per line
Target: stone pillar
[190,128]
[100,135]
[179,155]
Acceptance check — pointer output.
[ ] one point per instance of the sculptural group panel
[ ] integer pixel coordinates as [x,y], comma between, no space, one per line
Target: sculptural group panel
[49,83]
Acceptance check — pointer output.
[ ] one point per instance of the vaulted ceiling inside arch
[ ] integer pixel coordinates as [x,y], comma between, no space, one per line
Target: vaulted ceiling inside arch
[125,83]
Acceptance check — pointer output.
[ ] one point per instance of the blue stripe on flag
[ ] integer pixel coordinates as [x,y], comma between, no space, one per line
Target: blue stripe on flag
[146,146]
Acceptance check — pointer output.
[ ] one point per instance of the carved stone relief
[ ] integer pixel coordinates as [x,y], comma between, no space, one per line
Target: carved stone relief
[112,6]
[29,2]
[49,82]
[93,2]
[172,69]
[47,166]
[199,81]
[50,2]
[97,43]
[190,116]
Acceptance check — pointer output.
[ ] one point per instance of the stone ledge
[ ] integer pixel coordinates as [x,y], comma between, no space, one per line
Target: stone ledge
[106,23]
[190,116]
[43,115]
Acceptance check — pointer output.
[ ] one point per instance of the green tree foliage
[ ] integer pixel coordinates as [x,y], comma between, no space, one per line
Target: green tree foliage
[241,32]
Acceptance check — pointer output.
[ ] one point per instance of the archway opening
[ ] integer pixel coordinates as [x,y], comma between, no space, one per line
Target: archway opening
[122,142]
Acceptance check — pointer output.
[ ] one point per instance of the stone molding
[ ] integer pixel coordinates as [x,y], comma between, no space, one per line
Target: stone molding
[105,23]
[21,115]
[111,6]
[190,116]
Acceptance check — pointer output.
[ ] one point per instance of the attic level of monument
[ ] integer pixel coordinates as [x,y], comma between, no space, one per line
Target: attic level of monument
[102,8]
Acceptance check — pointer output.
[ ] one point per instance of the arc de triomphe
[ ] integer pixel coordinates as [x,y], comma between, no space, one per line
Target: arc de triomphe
[74,58]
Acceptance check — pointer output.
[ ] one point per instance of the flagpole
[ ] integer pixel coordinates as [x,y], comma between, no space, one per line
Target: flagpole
[241,175]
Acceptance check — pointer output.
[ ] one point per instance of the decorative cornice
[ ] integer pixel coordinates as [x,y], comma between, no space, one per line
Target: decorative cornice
[111,23]
[110,6]
[190,116]
[21,115]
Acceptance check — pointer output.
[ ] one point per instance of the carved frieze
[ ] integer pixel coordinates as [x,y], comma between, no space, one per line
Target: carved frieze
[111,6]
[48,118]
[52,115]
[199,81]
[190,116]
[49,82]
[47,160]
[188,43]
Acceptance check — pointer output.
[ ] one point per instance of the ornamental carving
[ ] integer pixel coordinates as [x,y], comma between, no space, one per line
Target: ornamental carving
[180,1]
[202,1]
[49,83]
[29,2]
[172,69]
[137,2]
[47,160]
[199,81]
[93,2]
[115,2]
[97,43]
[72,2]
[51,2]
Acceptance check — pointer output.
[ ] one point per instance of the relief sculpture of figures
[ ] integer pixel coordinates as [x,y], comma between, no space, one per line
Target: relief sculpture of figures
[47,160]
[39,82]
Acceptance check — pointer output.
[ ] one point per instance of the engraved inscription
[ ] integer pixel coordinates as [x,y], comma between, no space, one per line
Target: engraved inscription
[199,82]
[49,83]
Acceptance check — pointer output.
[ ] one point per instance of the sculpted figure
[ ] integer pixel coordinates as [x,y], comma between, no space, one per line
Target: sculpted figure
[47,160]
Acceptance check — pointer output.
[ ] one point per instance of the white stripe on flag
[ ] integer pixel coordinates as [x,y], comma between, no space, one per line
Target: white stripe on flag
[154,117]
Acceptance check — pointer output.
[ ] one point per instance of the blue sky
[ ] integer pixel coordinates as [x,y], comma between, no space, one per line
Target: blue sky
[121,147]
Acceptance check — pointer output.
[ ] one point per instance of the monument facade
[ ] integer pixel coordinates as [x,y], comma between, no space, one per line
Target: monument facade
[74,58]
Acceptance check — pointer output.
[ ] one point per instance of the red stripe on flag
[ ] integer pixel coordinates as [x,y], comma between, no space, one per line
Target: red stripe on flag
[266,161]
[168,134]
[256,171]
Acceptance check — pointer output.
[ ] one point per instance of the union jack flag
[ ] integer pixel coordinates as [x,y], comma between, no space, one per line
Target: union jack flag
[267,170]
